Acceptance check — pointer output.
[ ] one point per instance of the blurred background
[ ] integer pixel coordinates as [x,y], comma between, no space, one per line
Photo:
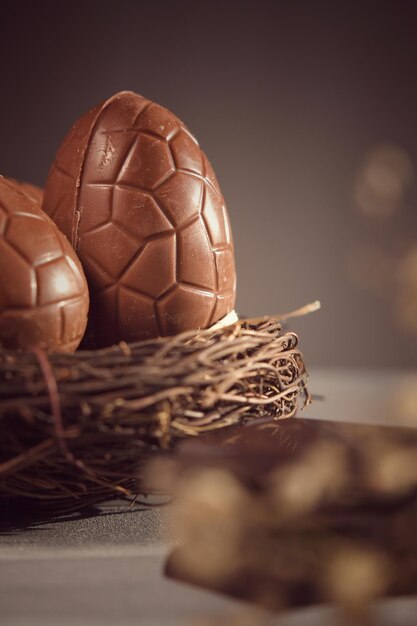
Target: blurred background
[307,111]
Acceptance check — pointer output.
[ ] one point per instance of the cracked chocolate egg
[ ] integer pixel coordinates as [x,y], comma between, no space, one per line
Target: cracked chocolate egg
[43,291]
[139,201]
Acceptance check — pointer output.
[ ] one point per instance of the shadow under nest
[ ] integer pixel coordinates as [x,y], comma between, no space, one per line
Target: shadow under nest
[76,429]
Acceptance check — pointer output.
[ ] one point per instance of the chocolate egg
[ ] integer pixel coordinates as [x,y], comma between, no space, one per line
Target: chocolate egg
[139,201]
[34,192]
[43,291]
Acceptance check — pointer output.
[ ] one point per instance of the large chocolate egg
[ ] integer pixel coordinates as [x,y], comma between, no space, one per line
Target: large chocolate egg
[43,291]
[139,201]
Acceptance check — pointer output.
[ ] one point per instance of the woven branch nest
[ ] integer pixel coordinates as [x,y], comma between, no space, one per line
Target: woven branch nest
[77,428]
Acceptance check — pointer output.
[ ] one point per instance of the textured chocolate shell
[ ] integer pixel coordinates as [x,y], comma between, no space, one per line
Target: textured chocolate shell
[138,199]
[43,291]
[34,192]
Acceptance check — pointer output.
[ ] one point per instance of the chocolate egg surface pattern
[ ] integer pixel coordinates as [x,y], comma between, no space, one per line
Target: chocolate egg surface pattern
[43,291]
[140,203]
[34,192]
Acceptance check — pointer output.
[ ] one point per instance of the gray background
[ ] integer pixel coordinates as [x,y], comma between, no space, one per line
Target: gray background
[288,99]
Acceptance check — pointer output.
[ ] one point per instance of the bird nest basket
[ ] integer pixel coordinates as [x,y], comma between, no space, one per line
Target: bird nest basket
[78,428]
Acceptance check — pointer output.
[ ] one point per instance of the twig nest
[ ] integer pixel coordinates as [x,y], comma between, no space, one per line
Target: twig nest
[116,406]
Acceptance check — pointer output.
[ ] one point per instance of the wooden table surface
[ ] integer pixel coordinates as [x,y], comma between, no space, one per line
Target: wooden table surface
[108,569]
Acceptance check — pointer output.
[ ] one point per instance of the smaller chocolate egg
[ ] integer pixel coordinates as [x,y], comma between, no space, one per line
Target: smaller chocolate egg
[34,192]
[43,292]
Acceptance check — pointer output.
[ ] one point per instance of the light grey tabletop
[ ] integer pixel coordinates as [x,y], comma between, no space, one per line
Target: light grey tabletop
[108,569]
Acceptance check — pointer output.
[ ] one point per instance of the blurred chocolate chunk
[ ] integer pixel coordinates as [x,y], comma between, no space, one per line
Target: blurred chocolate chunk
[297,512]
